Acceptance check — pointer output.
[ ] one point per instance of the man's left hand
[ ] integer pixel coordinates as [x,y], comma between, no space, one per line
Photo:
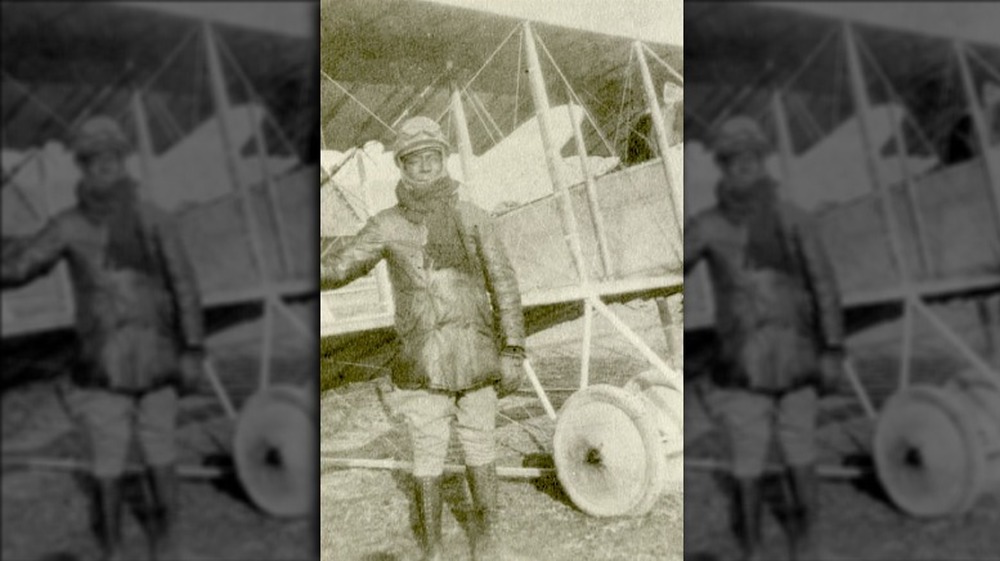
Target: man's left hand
[511,371]
[832,369]
[192,369]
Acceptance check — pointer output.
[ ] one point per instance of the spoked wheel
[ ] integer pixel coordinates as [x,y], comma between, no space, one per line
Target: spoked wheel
[274,450]
[608,452]
[928,454]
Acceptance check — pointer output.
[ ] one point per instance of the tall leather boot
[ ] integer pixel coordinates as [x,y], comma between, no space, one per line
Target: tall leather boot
[803,485]
[428,499]
[748,512]
[163,486]
[483,484]
[108,502]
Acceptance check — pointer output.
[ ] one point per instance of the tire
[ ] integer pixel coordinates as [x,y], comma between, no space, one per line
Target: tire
[274,449]
[667,408]
[608,452]
[928,454]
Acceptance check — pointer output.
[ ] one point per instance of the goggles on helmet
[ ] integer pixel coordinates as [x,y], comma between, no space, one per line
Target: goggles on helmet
[419,133]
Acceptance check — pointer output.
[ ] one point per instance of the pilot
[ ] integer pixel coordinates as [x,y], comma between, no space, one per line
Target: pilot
[779,326]
[459,322]
[138,321]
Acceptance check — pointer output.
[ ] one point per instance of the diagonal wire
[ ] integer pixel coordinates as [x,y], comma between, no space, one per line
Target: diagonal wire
[742,95]
[662,62]
[479,115]
[475,98]
[865,51]
[483,66]
[625,90]
[573,93]
[255,95]
[419,98]
[813,55]
[807,118]
[168,60]
[34,99]
[490,58]
[356,100]
[986,65]
[161,111]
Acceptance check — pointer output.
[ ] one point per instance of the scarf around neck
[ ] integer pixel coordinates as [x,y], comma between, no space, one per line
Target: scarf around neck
[117,208]
[756,207]
[435,207]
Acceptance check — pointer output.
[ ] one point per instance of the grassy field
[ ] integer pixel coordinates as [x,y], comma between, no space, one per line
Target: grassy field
[857,520]
[45,511]
[366,513]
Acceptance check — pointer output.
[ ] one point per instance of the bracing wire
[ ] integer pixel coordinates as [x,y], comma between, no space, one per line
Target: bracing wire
[893,94]
[731,105]
[168,60]
[167,117]
[418,98]
[491,57]
[254,94]
[985,64]
[663,63]
[810,59]
[625,91]
[803,112]
[486,63]
[482,105]
[807,117]
[482,120]
[574,96]
[356,100]
[34,99]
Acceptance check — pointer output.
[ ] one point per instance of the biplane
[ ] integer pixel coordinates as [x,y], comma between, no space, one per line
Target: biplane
[216,112]
[547,123]
[890,137]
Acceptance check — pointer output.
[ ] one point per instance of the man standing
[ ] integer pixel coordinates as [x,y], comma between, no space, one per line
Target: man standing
[459,322]
[779,327]
[138,321]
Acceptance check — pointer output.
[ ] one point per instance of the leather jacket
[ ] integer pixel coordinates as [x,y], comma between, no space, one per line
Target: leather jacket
[451,322]
[131,324]
[772,322]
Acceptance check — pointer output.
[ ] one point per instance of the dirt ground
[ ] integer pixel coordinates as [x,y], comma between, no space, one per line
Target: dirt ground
[857,521]
[45,511]
[366,515]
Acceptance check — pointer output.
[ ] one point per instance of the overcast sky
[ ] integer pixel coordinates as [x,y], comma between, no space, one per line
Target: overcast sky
[289,18]
[659,21]
[974,21]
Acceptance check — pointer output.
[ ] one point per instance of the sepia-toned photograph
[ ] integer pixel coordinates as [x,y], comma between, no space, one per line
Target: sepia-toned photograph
[842,271]
[159,289]
[500,267]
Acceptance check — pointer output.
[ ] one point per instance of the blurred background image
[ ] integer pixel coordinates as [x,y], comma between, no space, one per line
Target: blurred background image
[214,107]
[876,129]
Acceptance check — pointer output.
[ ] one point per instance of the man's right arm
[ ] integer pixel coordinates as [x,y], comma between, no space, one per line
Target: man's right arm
[354,260]
[33,256]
